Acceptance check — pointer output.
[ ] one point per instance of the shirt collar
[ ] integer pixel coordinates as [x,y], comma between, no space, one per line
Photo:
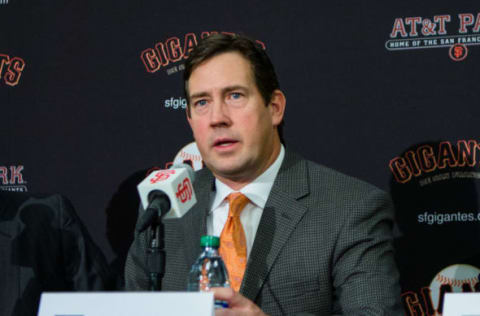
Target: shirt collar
[258,190]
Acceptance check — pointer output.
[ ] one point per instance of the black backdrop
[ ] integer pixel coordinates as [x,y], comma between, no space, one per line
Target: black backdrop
[91,98]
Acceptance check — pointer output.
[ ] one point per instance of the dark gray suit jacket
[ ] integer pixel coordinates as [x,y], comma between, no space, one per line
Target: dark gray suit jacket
[44,247]
[323,246]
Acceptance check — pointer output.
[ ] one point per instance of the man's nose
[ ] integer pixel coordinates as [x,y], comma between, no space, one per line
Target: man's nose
[219,115]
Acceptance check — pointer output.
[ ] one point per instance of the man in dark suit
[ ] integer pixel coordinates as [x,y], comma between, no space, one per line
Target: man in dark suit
[317,242]
[43,247]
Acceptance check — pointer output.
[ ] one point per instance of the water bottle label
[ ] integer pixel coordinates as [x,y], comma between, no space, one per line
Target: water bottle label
[220,304]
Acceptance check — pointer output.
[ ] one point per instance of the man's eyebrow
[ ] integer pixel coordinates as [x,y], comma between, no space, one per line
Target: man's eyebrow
[235,87]
[199,95]
[224,90]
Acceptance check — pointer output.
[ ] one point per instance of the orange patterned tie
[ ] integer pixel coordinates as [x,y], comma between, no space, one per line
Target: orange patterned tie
[233,244]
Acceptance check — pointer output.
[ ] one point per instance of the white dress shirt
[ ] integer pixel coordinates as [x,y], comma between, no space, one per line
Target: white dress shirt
[257,192]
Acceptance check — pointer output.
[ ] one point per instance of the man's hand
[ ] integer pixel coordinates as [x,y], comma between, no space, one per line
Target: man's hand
[238,304]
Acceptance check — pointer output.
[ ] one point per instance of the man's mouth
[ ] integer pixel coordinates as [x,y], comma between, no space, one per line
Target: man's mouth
[224,142]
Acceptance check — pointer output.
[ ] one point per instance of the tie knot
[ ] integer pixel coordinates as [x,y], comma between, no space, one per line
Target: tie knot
[237,202]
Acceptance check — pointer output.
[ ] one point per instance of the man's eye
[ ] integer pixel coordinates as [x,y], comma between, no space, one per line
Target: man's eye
[201,103]
[235,95]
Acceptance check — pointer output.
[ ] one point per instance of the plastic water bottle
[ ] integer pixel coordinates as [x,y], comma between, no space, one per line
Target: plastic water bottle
[209,271]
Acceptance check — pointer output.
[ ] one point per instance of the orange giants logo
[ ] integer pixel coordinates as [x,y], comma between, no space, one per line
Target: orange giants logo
[184,190]
[11,69]
[169,53]
[428,158]
[458,52]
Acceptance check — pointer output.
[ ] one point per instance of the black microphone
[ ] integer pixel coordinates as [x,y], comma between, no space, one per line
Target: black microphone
[159,204]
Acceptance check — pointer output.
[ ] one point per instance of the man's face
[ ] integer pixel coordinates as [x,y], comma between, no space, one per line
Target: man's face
[235,131]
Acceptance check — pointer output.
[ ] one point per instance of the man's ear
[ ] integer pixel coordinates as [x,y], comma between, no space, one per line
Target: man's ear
[277,104]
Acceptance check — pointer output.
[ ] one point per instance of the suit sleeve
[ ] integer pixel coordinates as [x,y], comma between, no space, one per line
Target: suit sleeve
[365,277]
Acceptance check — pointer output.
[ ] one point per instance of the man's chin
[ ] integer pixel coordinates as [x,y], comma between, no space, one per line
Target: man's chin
[228,172]
[233,172]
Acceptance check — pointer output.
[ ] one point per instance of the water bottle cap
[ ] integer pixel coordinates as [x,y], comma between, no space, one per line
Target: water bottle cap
[210,241]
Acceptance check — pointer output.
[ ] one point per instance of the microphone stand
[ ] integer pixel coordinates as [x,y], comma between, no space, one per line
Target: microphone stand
[156,258]
[156,240]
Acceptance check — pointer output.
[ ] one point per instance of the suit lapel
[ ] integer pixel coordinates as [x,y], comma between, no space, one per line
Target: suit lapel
[280,216]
